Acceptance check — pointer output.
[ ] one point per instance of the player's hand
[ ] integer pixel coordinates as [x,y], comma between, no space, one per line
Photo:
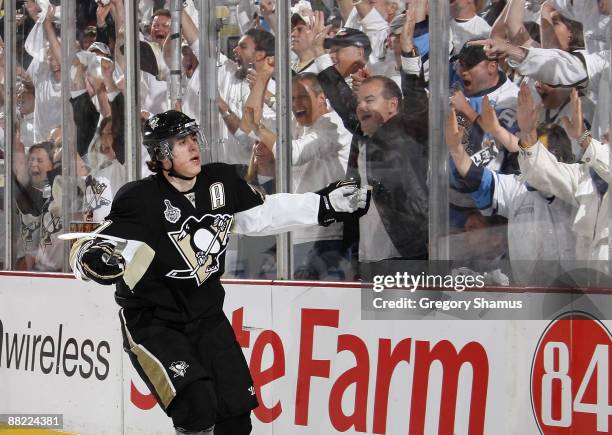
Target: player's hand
[341,200]
[99,261]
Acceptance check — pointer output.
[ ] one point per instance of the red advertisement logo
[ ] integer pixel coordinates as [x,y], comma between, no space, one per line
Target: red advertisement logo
[570,377]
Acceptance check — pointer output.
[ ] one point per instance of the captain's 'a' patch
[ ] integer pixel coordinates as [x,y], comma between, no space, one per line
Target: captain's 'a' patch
[201,242]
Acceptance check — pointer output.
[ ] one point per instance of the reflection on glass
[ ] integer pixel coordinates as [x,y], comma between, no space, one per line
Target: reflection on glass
[528,199]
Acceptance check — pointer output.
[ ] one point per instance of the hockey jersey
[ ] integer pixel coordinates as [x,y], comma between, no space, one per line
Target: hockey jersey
[176,241]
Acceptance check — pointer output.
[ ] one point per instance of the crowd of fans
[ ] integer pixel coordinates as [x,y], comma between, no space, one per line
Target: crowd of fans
[527,130]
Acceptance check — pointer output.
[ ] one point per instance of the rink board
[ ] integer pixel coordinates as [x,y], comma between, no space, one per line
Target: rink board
[318,367]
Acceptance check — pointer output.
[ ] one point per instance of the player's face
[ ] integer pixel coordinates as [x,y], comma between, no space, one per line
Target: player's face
[186,156]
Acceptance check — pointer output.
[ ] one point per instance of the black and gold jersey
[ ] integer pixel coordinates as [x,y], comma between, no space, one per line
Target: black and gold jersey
[177,241]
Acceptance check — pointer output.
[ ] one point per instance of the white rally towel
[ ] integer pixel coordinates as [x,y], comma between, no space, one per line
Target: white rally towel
[35,42]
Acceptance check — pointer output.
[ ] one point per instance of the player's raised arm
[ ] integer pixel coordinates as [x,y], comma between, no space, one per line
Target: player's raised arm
[286,212]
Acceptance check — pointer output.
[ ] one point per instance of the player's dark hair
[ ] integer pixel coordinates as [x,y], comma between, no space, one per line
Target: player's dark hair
[154,166]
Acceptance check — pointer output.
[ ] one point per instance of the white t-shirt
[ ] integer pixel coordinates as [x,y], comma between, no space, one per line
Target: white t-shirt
[320,156]
[465,30]
[48,99]
[375,27]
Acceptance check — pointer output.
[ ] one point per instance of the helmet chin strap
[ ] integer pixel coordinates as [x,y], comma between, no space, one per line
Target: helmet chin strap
[171,172]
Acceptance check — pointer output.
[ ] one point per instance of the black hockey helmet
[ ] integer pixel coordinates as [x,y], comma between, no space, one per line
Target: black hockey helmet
[160,131]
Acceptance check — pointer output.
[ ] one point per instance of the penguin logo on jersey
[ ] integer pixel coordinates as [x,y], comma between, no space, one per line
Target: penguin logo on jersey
[200,243]
[179,368]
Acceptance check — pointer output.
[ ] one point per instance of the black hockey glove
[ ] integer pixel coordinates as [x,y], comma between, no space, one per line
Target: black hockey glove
[99,261]
[342,200]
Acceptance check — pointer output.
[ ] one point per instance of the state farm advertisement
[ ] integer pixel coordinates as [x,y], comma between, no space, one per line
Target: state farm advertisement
[319,369]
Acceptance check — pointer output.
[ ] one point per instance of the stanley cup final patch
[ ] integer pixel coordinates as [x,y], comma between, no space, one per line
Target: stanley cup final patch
[179,368]
[171,213]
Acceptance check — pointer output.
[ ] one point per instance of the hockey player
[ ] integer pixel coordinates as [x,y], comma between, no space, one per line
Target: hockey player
[167,271]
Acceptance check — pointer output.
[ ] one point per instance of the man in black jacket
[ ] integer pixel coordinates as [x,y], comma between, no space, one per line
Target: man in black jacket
[389,150]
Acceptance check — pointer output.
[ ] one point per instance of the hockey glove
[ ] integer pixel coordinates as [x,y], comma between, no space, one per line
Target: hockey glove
[99,261]
[341,200]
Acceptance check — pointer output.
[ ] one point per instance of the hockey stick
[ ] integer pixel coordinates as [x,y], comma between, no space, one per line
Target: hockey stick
[72,236]
[207,252]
